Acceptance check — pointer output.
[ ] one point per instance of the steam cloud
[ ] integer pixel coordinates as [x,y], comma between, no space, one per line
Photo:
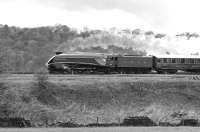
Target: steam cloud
[127,41]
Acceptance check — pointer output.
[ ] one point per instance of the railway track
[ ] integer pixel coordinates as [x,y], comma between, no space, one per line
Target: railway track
[112,77]
[195,77]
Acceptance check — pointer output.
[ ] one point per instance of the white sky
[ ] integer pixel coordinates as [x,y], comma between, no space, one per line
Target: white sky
[170,16]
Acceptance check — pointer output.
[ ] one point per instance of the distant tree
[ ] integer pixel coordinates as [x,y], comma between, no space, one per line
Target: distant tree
[149,33]
[160,35]
[188,35]
[136,31]
[167,52]
[6,54]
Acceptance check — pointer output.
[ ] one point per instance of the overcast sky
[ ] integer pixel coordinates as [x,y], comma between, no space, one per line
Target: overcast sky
[170,16]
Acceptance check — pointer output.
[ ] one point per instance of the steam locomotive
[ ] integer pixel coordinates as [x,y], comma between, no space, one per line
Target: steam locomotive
[124,64]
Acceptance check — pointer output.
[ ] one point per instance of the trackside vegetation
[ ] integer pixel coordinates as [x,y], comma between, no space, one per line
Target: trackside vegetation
[75,102]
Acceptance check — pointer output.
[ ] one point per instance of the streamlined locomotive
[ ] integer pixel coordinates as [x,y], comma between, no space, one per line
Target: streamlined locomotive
[75,63]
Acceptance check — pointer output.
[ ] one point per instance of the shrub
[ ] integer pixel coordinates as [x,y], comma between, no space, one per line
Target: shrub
[3,88]
[7,99]
[43,90]
[138,121]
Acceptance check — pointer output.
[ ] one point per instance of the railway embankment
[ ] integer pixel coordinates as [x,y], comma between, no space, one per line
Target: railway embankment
[45,100]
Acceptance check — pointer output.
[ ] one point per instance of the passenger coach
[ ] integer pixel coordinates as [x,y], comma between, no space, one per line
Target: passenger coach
[171,64]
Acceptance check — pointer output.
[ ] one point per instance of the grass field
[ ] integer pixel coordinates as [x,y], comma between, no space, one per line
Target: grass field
[111,129]
[111,98]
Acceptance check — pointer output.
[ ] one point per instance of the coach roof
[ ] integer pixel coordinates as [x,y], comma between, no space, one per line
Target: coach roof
[179,56]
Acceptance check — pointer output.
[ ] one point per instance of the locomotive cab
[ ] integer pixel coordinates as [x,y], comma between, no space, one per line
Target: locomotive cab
[111,61]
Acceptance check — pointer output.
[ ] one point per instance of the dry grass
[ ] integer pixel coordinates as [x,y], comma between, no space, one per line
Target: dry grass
[84,98]
[112,129]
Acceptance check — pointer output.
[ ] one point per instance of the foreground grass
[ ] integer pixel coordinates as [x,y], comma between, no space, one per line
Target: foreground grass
[110,129]
[82,99]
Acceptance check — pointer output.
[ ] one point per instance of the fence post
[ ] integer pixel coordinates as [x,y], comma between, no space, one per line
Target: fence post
[119,121]
[97,120]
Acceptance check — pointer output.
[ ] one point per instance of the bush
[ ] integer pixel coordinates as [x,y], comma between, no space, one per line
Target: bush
[14,122]
[43,90]
[188,122]
[7,99]
[3,88]
[138,121]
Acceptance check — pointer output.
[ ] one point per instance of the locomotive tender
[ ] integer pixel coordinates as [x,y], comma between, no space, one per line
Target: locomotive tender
[130,64]
[125,64]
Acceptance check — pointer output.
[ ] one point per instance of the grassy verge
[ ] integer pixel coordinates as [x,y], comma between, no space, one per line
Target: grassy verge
[44,102]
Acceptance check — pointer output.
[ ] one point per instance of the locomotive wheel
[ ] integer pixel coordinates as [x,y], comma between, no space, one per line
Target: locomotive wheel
[55,72]
[138,72]
[52,72]
[167,71]
[172,72]
[160,72]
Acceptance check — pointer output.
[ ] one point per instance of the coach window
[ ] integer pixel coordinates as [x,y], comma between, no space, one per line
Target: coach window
[165,60]
[195,61]
[198,61]
[186,61]
[192,61]
[161,60]
[115,58]
[178,60]
[182,60]
[173,60]
[169,60]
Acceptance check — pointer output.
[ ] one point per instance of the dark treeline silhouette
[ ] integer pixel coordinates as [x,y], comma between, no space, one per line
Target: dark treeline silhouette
[130,121]
[14,122]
